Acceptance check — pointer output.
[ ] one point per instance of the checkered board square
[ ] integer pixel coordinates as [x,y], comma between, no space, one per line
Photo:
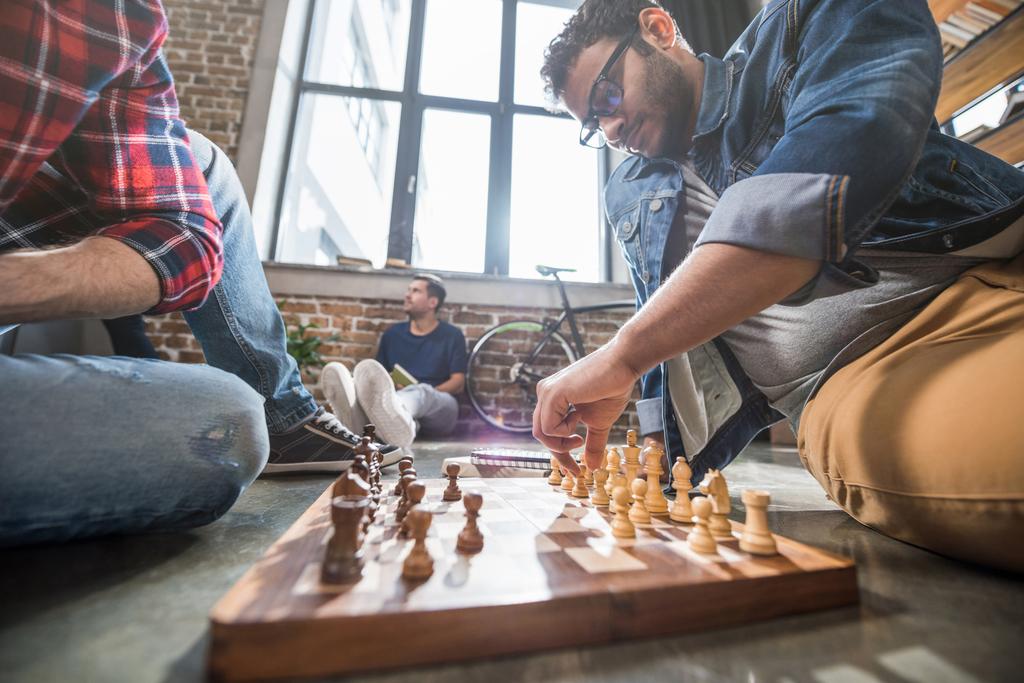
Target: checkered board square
[550,575]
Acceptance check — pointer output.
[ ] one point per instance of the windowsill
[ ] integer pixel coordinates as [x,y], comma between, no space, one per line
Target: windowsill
[288,279]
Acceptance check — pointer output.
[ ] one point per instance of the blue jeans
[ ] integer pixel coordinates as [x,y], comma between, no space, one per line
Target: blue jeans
[435,412]
[103,445]
[94,445]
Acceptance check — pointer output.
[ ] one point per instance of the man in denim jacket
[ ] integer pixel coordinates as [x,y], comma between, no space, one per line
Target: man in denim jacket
[844,265]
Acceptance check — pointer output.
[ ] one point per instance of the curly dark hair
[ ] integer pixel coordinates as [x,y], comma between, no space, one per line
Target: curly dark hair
[594,21]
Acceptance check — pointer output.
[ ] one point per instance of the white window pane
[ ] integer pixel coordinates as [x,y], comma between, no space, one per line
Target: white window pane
[461,49]
[361,43]
[990,112]
[338,196]
[555,219]
[536,27]
[451,194]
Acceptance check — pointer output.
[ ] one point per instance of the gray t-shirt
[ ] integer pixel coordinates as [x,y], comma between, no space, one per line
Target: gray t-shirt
[787,350]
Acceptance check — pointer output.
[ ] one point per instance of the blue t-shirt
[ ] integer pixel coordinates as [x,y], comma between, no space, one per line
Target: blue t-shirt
[431,358]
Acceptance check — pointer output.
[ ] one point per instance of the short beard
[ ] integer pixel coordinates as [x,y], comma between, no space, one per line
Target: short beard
[668,90]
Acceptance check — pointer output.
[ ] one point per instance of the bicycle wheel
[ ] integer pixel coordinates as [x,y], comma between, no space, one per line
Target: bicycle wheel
[501,383]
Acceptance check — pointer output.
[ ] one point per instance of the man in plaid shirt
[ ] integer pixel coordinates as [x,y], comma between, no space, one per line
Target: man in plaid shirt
[109,207]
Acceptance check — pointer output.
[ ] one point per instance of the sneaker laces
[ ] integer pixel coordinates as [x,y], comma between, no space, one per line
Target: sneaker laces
[331,423]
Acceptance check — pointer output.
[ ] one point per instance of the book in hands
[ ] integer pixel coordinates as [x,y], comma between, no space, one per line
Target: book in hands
[402,377]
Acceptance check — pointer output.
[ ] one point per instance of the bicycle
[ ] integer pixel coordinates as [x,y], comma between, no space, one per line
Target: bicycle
[510,358]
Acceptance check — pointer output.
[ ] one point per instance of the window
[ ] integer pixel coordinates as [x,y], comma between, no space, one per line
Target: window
[451,197]
[339,184]
[418,132]
[462,49]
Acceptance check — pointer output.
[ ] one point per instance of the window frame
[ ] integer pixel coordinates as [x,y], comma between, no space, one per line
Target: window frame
[502,114]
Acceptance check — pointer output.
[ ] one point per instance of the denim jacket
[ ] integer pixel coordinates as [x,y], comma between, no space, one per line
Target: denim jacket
[817,132]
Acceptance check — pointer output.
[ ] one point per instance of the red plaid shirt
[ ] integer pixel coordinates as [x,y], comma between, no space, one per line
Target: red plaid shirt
[91,142]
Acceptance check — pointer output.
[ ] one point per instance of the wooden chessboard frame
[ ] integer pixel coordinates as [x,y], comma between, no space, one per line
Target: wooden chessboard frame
[515,596]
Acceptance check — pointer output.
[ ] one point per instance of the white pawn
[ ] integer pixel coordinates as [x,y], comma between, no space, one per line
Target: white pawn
[568,481]
[756,538]
[638,514]
[579,490]
[600,497]
[556,475]
[681,511]
[622,527]
[700,539]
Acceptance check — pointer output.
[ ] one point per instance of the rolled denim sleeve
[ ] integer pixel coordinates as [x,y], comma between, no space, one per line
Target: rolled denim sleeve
[866,77]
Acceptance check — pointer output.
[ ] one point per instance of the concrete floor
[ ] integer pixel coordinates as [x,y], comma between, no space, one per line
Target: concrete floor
[134,609]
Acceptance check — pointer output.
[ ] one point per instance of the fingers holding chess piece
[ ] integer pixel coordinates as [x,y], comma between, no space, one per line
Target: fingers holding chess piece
[756,538]
[681,511]
[452,492]
[638,514]
[700,539]
[622,527]
[556,473]
[418,564]
[470,539]
[600,496]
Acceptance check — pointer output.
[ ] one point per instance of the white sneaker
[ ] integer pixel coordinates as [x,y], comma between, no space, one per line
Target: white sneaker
[340,391]
[378,398]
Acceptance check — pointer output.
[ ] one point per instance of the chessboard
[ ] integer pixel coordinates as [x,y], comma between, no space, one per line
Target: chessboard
[550,575]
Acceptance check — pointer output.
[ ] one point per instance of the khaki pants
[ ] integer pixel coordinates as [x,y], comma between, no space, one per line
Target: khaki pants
[922,438]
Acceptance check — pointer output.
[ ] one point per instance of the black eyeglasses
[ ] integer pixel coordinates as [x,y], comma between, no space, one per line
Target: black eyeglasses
[605,98]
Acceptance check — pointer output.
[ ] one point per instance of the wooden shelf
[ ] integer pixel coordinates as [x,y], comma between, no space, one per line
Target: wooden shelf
[1006,141]
[941,9]
[993,59]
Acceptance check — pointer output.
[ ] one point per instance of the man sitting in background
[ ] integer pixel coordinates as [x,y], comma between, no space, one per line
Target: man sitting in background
[431,351]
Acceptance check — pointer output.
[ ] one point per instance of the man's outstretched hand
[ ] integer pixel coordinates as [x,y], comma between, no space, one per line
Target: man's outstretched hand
[593,391]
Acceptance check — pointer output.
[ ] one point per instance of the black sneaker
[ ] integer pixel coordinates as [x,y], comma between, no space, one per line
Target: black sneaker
[322,444]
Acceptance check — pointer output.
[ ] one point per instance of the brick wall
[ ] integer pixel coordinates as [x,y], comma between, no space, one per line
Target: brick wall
[359,323]
[210,50]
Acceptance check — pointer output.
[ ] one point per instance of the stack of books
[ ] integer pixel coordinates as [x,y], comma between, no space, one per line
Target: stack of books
[970,21]
[502,462]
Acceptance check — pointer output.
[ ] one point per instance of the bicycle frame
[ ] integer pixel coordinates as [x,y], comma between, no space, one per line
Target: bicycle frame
[569,313]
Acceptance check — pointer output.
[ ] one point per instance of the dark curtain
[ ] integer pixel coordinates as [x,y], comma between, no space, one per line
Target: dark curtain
[710,25]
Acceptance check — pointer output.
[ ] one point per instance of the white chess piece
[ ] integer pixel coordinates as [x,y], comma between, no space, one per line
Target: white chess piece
[756,538]
[655,500]
[638,514]
[681,510]
[700,539]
